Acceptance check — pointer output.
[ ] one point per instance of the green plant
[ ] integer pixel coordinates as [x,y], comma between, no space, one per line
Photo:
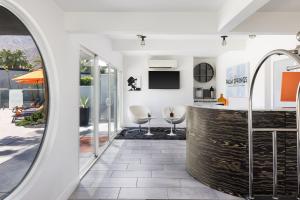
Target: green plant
[34,119]
[86,80]
[13,60]
[84,102]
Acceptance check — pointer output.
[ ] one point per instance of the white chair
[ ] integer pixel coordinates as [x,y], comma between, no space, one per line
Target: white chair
[179,114]
[139,115]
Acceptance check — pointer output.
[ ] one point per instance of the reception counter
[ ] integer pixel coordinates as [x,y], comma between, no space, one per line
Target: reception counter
[217,152]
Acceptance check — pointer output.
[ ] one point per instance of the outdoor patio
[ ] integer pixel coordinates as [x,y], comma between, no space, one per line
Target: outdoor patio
[18,148]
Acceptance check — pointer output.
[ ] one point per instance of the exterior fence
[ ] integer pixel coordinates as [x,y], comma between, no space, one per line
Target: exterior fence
[29,96]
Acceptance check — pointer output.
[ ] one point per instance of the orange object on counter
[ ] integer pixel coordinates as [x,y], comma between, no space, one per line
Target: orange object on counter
[289,85]
[223,100]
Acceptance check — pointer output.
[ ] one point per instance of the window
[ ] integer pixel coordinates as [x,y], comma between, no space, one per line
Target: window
[23,101]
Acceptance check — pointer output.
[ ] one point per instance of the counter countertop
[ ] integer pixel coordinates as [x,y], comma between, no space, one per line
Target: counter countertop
[240,108]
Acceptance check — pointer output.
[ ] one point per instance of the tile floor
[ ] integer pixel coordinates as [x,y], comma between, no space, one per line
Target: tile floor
[144,169]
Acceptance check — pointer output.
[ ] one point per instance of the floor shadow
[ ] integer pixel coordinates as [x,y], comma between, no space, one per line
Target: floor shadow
[13,170]
[7,152]
[17,141]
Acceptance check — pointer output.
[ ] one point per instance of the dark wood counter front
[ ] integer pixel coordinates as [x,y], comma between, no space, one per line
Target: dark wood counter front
[217,152]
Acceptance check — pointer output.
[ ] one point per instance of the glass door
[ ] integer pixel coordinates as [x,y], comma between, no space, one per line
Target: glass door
[113,93]
[98,107]
[86,110]
[103,105]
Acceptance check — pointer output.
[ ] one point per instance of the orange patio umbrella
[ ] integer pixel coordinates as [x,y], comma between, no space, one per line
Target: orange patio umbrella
[35,77]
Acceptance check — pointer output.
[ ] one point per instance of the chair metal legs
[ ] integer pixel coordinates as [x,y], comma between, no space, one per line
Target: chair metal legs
[137,129]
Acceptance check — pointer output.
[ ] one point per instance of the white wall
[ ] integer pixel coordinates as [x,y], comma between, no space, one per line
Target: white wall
[100,45]
[55,174]
[254,51]
[156,99]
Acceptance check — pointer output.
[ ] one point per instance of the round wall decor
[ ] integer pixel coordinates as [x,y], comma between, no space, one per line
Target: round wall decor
[203,72]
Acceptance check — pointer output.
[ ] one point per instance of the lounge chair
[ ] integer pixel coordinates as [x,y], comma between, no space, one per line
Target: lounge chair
[25,113]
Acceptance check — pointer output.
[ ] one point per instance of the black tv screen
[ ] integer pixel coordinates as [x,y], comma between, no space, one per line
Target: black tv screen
[164,79]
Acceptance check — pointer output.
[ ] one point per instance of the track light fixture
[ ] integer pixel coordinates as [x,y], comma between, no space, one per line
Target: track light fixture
[143,42]
[252,36]
[224,42]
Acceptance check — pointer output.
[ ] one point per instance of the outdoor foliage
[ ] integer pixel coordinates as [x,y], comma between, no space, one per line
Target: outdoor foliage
[84,102]
[86,80]
[34,119]
[14,60]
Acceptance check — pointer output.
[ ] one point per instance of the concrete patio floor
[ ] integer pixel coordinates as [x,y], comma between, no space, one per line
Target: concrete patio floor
[18,148]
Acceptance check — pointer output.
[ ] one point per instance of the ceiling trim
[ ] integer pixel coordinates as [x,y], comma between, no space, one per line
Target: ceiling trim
[235,12]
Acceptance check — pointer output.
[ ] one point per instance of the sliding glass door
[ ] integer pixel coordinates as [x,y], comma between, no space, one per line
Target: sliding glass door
[103,106]
[113,93]
[98,107]
[86,109]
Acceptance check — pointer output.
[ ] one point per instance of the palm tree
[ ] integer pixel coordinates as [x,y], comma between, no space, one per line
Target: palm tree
[13,60]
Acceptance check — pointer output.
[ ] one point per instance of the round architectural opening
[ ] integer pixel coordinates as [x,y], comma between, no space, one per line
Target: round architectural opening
[24,98]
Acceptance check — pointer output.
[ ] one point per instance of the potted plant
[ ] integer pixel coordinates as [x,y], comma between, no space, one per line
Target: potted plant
[171,109]
[84,111]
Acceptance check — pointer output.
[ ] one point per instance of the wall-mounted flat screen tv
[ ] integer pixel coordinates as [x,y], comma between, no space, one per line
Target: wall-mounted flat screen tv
[164,80]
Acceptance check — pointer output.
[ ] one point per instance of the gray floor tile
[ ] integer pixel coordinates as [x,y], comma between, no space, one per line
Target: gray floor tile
[191,182]
[136,155]
[143,193]
[170,174]
[191,193]
[145,167]
[147,151]
[173,167]
[162,160]
[158,183]
[101,166]
[140,144]
[140,169]
[168,155]
[131,174]
[96,193]
[115,182]
[117,160]
[223,196]
[98,174]
[87,182]
[173,151]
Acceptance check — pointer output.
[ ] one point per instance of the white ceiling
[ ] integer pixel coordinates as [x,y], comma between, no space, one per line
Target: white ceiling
[141,5]
[282,6]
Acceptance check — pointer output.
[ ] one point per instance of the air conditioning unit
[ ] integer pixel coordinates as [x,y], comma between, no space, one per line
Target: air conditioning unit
[154,64]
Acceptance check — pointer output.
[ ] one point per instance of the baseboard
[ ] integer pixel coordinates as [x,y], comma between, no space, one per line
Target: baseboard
[69,190]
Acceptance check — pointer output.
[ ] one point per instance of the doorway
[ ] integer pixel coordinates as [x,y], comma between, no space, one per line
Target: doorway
[98,107]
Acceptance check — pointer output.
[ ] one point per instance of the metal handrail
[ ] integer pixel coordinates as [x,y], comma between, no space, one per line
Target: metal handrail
[293,54]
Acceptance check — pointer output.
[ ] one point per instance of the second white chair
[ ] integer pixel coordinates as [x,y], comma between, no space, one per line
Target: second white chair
[179,114]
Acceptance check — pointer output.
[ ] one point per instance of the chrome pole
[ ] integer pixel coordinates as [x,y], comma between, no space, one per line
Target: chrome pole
[275,180]
[293,55]
[298,141]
